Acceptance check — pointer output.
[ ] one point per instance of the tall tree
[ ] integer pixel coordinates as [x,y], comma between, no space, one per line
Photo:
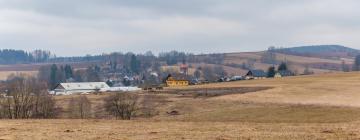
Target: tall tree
[197,74]
[80,107]
[134,64]
[68,72]
[283,67]
[53,76]
[271,72]
[269,57]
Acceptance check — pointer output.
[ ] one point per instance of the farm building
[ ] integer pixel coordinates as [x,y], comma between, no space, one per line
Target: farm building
[283,73]
[176,81]
[83,87]
[184,69]
[256,74]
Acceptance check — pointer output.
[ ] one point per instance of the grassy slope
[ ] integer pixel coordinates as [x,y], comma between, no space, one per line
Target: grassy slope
[297,62]
[309,107]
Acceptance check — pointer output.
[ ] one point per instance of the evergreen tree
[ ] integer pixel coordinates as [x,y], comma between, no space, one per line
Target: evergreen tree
[53,76]
[110,83]
[271,72]
[61,74]
[134,64]
[283,67]
[68,72]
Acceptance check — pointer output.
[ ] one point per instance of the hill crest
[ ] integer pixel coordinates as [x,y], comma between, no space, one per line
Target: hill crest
[323,51]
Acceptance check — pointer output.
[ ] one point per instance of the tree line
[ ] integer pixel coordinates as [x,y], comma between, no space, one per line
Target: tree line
[10,56]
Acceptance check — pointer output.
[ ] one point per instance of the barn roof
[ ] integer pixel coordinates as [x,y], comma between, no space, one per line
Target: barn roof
[257,73]
[83,85]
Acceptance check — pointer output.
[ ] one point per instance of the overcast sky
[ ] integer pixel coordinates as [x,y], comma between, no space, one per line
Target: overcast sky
[79,27]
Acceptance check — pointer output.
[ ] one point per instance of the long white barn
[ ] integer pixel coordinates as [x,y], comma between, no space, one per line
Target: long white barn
[79,88]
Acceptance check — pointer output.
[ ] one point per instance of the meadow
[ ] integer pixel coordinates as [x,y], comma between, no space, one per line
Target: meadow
[322,106]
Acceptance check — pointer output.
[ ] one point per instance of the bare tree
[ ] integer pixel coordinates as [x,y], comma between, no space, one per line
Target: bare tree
[269,56]
[122,105]
[197,73]
[20,90]
[5,108]
[45,107]
[80,107]
[26,98]
[209,74]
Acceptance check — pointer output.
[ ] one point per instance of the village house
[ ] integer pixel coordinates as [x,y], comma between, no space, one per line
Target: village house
[283,73]
[176,81]
[255,74]
[79,88]
[184,69]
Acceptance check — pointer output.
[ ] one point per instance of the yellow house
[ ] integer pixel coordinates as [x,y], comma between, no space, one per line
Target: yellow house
[171,82]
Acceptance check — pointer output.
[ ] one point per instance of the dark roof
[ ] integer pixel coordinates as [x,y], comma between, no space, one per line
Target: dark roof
[256,73]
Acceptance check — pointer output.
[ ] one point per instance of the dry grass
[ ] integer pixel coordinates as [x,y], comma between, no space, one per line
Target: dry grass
[327,89]
[5,74]
[111,129]
[297,62]
[309,107]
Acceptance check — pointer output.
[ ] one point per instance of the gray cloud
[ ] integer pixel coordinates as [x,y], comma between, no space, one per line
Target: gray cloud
[78,27]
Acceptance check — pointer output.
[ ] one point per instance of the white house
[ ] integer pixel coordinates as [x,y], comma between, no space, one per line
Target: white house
[114,89]
[80,88]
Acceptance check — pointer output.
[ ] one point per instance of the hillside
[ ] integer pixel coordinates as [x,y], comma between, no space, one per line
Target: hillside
[324,51]
[296,63]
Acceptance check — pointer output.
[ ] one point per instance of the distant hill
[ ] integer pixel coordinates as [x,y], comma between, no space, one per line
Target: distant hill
[322,51]
[319,59]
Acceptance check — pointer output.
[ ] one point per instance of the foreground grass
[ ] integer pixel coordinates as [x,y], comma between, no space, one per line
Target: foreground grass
[111,129]
[209,110]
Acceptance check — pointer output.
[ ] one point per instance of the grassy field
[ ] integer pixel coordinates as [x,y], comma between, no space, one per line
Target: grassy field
[296,62]
[307,107]
[5,74]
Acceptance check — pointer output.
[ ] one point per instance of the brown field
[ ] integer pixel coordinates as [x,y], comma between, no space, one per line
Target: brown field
[308,107]
[5,74]
[297,63]
[32,69]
